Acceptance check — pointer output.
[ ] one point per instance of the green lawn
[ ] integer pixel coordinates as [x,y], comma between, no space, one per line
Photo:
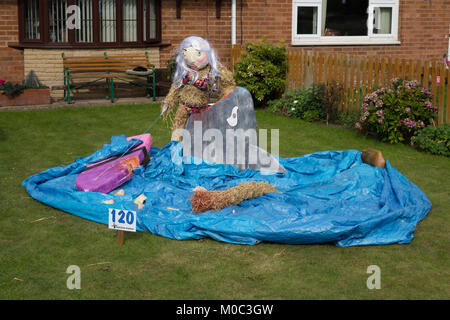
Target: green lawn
[38,243]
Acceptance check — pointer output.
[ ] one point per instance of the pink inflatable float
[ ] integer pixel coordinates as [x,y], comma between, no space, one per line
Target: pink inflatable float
[107,175]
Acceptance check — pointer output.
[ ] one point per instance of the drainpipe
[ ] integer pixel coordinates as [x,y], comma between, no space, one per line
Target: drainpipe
[233,22]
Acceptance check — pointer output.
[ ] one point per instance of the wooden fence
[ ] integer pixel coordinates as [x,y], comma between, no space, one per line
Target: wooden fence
[359,75]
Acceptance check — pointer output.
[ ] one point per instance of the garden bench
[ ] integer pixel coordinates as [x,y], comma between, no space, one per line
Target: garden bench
[90,71]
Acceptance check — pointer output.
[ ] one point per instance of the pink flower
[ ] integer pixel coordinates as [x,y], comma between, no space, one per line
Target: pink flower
[428,104]
[407,110]
[409,123]
[2,82]
[358,126]
[414,84]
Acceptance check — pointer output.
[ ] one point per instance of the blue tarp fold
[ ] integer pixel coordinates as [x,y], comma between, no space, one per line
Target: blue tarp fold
[325,197]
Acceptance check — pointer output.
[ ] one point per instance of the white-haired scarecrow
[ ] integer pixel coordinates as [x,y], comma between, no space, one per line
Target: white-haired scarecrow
[199,80]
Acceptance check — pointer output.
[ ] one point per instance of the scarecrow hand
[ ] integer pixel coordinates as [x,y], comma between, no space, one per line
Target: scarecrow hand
[177,135]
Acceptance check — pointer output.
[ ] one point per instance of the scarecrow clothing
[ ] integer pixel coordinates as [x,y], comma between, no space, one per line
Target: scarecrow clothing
[196,96]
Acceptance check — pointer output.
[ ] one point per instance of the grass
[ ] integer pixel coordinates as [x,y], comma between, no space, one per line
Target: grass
[38,243]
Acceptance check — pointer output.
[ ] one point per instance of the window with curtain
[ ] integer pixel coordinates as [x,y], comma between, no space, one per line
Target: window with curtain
[101,22]
[150,19]
[85,33]
[344,21]
[31,20]
[129,20]
[57,20]
[382,20]
[107,14]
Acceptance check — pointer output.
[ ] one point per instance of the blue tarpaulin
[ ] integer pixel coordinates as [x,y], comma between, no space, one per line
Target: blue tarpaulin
[325,197]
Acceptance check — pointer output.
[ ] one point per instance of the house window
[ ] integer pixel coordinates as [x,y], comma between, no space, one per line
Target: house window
[307,20]
[129,8]
[107,13]
[102,23]
[382,20]
[86,32]
[57,20]
[150,20]
[342,22]
[31,20]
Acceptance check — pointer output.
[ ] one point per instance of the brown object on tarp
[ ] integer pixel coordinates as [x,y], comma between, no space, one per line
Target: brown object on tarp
[373,157]
[203,200]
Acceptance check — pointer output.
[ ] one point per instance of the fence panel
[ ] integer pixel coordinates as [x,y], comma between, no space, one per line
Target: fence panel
[359,75]
[426,74]
[433,81]
[447,110]
[441,94]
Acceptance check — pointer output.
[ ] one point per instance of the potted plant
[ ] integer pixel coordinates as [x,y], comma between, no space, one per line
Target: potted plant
[31,92]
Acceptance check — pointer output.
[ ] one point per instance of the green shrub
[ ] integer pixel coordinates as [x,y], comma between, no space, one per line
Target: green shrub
[11,90]
[348,120]
[397,113]
[306,104]
[435,140]
[262,71]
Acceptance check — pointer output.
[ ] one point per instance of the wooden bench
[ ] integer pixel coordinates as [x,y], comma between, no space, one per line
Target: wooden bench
[91,71]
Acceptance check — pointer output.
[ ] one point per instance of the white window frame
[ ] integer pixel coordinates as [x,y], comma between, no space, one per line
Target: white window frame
[370,39]
[319,20]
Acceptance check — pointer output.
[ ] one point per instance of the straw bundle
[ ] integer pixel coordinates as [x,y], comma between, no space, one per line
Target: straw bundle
[204,200]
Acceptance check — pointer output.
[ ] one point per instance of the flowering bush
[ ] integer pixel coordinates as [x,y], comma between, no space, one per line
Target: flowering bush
[398,112]
[306,104]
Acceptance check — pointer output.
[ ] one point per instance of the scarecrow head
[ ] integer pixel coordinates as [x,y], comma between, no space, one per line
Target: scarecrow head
[194,55]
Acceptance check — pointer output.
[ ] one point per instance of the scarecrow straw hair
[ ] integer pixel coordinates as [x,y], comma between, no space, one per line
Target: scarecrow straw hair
[203,200]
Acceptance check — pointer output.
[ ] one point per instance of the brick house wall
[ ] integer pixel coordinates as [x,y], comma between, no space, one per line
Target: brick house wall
[423,27]
[197,18]
[11,60]
[423,33]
